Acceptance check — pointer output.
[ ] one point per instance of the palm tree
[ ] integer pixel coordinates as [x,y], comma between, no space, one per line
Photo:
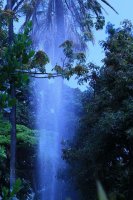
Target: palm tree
[64,20]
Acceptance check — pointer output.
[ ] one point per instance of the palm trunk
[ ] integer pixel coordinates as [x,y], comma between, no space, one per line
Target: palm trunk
[59,13]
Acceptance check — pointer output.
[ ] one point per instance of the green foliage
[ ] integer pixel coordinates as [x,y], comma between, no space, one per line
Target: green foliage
[16,60]
[103,147]
[26,143]
[19,61]
[2,153]
[24,134]
[40,60]
[74,62]
[7,195]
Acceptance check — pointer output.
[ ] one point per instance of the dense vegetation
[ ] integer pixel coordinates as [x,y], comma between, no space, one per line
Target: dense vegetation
[26,144]
[102,116]
[103,146]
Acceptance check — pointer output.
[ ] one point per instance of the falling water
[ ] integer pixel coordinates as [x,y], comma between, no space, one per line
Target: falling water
[53,128]
[51,117]
[50,123]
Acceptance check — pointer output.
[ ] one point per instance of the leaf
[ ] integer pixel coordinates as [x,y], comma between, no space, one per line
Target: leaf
[16,188]
[101,193]
[2,152]
[31,54]
[5,193]
[104,1]
[25,78]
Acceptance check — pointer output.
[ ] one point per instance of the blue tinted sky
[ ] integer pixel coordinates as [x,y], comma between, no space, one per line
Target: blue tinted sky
[125,10]
[96,54]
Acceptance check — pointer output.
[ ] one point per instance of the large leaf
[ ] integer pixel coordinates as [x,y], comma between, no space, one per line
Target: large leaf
[101,193]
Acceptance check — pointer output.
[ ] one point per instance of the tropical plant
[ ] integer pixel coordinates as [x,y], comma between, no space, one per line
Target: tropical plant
[64,20]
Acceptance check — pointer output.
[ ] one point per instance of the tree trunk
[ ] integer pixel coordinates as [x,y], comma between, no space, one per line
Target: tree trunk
[59,13]
[13,139]
[13,110]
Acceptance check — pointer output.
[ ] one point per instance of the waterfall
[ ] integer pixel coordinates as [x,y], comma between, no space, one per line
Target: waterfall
[54,128]
[51,115]
[50,122]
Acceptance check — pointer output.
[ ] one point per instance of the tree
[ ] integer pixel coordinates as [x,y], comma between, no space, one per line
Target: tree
[64,20]
[18,62]
[103,146]
[18,59]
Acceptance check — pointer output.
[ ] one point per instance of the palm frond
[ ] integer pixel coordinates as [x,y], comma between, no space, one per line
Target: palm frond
[108,4]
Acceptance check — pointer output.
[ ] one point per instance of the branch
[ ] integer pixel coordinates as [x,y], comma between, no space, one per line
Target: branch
[37,73]
[46,76]
[34,74]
